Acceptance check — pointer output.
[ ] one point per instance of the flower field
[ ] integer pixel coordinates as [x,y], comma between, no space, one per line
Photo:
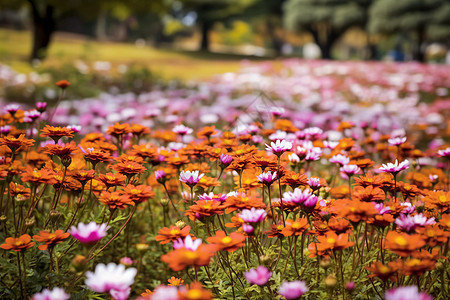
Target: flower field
[316,180]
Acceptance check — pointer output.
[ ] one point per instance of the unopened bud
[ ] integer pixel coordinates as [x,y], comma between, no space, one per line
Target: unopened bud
[78,262]
[164,202]
[66,160]
[142,247]
[325,263]
[30,221]
[265,259]
[3,218]
[330,281]
[180,224]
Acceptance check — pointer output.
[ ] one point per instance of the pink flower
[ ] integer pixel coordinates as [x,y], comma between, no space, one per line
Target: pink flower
[394,168]
[253,216]
[293,289]
[188,243]
[55,294]
[444,152]
[297,196]
[190,178]
[314,182]
[267,178]
[112,278]
[182,130]
[88,233]
[409,223]
[126,261]
[279,147]
[340,159]
[258,276]
[164,292]
[406,293]
[349,170]
[397,141]
[160,176]
[12,108]
[41,106]
[225,159]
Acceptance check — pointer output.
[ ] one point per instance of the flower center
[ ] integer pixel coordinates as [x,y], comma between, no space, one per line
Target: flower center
[226,240]
[401,241]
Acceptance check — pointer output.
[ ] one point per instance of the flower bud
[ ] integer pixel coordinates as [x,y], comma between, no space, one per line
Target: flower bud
[164,202]
[30,221]
[180,224]
[330,281]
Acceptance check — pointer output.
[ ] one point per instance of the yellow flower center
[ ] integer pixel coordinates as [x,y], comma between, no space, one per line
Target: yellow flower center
[226,240]
[384,269]
[194,294]
[174,232]
[296,225]
[331,240]
[401,241]
[191,255]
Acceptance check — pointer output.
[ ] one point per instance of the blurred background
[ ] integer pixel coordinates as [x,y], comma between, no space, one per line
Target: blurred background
[193,39]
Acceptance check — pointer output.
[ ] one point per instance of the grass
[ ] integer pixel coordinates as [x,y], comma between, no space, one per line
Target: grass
[169,64]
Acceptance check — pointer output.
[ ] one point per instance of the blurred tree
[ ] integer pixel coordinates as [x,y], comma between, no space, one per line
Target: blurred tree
[46,13]
[211,11]
[269,12]
[427,19]
[325,20]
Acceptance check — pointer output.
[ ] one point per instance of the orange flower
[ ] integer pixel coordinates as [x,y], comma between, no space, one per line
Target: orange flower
[294,179]
[354,210]
[415,266]
[115,200]
[129,168]
[339,225]
[365,181]
[138,194]
[82,176]
[384,272]
[408,190]
[403,244]
[296,227]
[332,241]
[110,179]
[19,244]
[194,292]
[207,132]
[50,239]
[55,133]
[181,258]
[439,199]
[275,230]
[171,234]
[175,281]
[241,201]
[14,143]
[139,130]
[17,190]
[228,243]
[204,208]
[36,176]
[63,84]
[368,194]
[119,129]
[433,235]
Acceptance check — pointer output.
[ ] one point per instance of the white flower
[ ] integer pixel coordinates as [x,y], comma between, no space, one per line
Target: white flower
[110,277]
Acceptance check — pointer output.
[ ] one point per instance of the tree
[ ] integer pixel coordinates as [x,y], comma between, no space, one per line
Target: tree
[45,15]
[427,19]
[325,20]
[270,12]
[210,11]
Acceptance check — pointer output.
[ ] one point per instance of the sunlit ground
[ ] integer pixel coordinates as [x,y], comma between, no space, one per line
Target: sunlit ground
[65,48]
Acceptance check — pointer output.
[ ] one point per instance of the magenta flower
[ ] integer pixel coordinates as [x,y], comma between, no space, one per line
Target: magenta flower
[444,152]
[74,128]
[340,159]
[41,106]
[5,129]
[267,178]
[397,141]
[409,223]
[165,292]
[293,158]
[32,114]
[212,196]
[279,147]
[111,278]
[55,294]
[190,178]
[253,215]
[188,243]
[394,168]
[258,276]
[126,261]
[349,170]
[182,130]
[293,289]
[88,233]
[406,293]
[248,228]
[297,196]
[160,176]
[314,182]
[12,108]
[225,159]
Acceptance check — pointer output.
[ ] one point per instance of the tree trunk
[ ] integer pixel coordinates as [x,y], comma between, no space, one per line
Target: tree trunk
[419,54]
[206,27]
[100,27]
[325,43]
[43,28]
[277,43]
